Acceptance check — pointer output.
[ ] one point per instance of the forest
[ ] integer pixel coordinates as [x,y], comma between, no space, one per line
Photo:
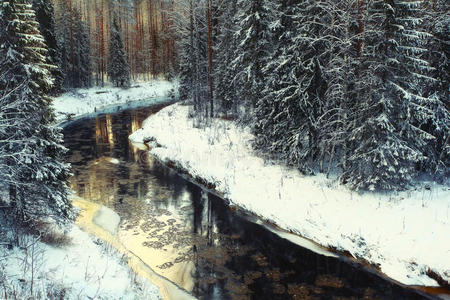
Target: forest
[305,113]
[354,89]
[357,89]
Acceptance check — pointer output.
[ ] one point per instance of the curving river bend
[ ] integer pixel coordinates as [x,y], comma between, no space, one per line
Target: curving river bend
[191,237]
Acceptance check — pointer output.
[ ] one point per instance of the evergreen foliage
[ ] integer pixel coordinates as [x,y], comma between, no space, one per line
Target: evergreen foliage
[193,63]
[32,177]
[390,138]
[287,114]
[118,69]
[437,22]
[354,88]
[47,26]
[187,55]
[254,46]
[82,72]
[74,42]
[224,73]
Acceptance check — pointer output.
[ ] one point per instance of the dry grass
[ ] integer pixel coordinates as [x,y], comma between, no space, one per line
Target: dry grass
[51,235]
[56,239]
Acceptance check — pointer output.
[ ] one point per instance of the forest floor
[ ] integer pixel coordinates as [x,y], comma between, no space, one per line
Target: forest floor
[404,234]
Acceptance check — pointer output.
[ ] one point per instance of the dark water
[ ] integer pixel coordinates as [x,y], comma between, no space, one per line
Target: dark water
[192,237]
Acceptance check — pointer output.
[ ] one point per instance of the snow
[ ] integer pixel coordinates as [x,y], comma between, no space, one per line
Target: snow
[84,102]
[404,233]
[107,219]
[84,269]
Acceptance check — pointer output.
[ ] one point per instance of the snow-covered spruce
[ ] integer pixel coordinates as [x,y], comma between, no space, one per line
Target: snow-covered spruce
[225,86]
[397,122]
[193,69]
[118,69]
[289,109]
[32,175]
[328,85]
[404,233]
[74,43]
[47,26]
[253,38]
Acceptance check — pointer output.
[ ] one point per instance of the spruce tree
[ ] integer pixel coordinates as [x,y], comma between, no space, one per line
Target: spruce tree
[74,42]
[288,110]
[437,23]
[187,54]
[224,73]
[389,137]
[187,61]
[339,61]
[118,69]
[32,172]
[83,62]
[45,17]
[63,21]
[194,69]
[275,114]
[254,46]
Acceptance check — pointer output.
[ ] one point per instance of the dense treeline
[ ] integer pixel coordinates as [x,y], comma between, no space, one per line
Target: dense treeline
[86,29]
[79,33]
[350,87]
[353,88]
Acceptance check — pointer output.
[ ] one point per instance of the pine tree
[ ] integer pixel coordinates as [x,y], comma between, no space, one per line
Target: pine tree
[32,173]
[118,69]
[45,17]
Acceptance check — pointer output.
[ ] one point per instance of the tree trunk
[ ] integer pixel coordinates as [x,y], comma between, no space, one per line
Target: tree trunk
[71,41]
[210,59]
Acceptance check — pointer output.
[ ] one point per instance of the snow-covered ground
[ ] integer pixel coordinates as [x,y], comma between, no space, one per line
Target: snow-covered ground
[83,269]
[83,102]
[405,234]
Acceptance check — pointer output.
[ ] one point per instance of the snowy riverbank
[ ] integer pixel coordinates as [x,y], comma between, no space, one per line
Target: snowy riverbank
[405,234]
[83,102]
[85,268]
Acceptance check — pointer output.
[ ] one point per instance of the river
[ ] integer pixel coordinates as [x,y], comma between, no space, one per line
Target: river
[193,238]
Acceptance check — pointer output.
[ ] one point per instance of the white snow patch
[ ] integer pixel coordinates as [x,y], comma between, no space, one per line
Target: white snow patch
[82,102]
[107,219]
[404,233]
[114,161]
[298,240]
[81,270]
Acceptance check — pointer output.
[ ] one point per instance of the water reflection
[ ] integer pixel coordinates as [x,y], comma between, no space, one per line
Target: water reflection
[191,237]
